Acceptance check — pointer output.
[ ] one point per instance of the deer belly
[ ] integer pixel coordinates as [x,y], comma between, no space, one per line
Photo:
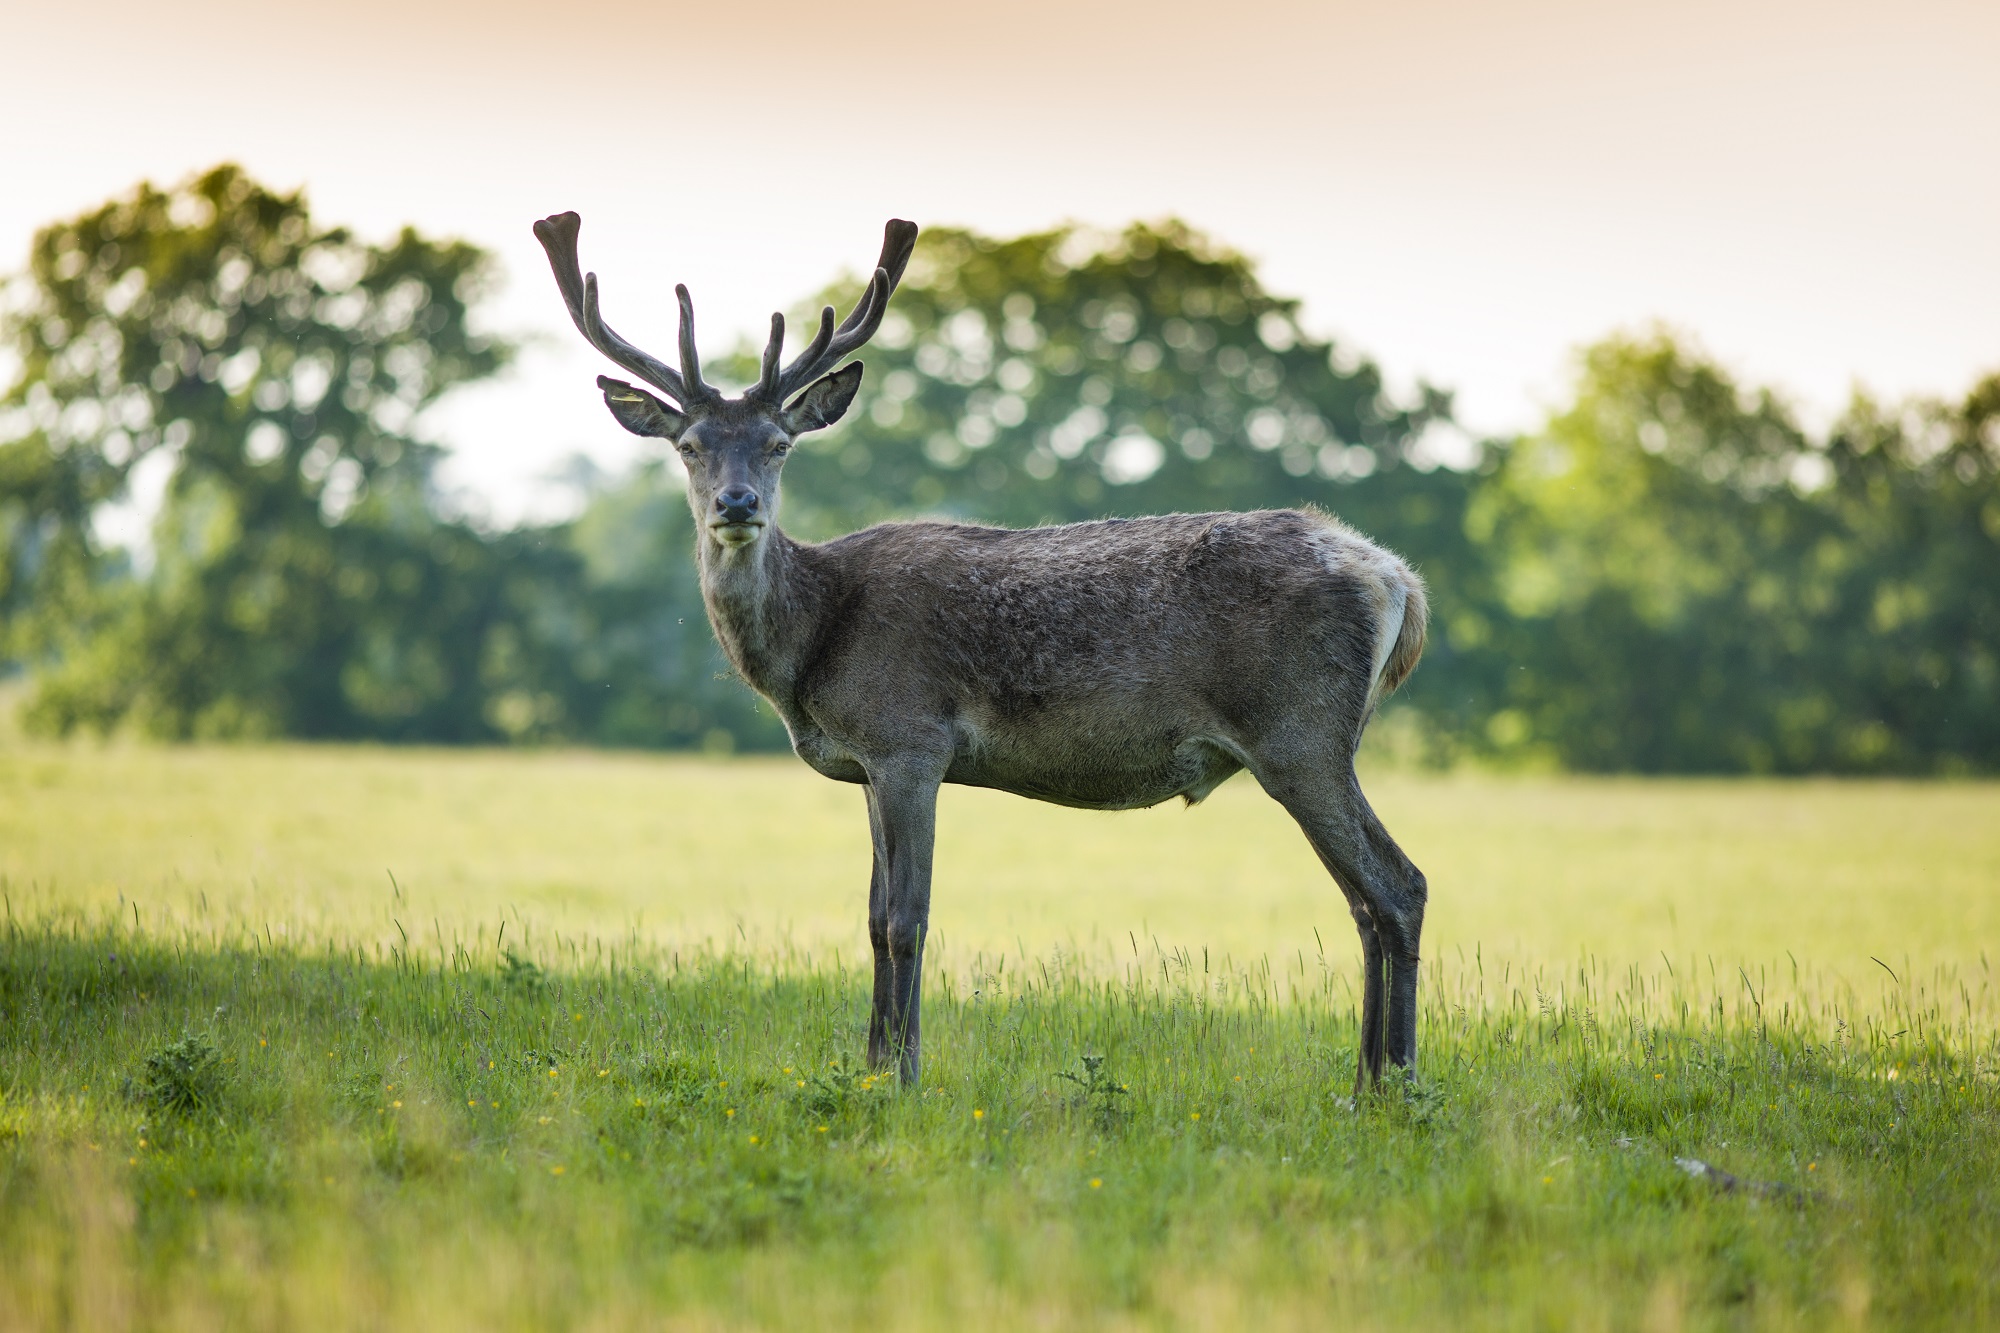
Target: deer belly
[1111,776]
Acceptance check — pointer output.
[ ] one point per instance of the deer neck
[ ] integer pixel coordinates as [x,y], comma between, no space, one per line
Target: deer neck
[764,604]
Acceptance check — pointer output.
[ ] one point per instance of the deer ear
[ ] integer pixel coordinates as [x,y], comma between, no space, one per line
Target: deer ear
[825,402]
[640,412]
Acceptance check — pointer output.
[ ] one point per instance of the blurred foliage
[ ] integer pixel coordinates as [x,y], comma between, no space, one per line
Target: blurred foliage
[1671,576]
[268,371]
[1685,582]
[1066,376]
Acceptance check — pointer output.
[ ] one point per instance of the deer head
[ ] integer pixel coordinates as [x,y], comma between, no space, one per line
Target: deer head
[734,448]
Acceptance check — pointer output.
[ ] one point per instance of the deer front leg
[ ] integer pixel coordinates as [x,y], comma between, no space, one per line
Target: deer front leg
[902,811]
[878,932]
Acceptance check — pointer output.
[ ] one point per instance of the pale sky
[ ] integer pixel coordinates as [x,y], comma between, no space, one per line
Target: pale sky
[1467,192]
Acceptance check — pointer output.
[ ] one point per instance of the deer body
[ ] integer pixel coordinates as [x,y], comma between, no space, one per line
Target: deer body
[1085,665]
[1108,665]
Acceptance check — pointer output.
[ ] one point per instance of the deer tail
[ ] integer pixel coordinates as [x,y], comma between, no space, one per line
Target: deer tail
[1404,616]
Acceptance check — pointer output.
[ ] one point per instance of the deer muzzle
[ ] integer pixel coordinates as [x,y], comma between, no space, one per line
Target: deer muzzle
[738,515]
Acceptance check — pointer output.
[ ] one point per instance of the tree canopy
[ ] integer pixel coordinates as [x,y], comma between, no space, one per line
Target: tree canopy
[1062,375]
[1686,582]
[271,370]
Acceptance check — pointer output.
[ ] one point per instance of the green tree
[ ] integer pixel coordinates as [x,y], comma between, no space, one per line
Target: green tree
[274,369]
[1903,577]
[1058,376]
[1683,581]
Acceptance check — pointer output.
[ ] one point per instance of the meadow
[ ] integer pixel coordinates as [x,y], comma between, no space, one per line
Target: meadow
[342,1037]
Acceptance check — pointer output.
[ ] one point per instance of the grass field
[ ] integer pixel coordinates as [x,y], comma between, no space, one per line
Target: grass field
[587,1059]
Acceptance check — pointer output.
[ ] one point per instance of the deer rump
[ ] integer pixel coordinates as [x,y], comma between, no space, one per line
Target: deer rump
[1105,665]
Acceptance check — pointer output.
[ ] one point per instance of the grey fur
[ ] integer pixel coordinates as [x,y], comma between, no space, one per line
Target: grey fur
[1106,665]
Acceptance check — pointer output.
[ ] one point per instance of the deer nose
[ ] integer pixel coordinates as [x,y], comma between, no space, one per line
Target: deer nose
[736,504]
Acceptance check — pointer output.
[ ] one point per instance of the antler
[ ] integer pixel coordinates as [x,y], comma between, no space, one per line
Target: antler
[830,345]
[579,290]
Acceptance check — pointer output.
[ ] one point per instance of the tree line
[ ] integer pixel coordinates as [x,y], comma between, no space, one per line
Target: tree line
[1671,575]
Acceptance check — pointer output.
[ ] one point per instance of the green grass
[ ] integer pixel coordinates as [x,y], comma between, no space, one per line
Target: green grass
[765,853]
[268,1088]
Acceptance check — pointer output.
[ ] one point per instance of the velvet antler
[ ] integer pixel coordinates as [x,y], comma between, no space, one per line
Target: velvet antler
[579,290]
[830,345]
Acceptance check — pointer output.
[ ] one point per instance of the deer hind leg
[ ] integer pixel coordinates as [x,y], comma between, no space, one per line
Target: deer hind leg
[902,816]
[1368,1070]
[1386,894]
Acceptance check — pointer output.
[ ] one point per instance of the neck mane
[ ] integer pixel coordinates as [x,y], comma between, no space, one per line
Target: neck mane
[764,604]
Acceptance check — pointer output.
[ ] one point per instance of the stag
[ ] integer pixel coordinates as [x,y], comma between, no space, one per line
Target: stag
[1107,665]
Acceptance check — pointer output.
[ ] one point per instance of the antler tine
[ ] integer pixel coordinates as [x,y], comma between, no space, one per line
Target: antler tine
[899,242]
[855,330]
[690,358]
[870,308]
[790,378]
[767,381]
[558,235]
[899,239]
[646,367]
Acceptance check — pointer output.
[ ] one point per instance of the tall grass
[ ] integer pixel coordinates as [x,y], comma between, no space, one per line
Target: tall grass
[579,1134]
